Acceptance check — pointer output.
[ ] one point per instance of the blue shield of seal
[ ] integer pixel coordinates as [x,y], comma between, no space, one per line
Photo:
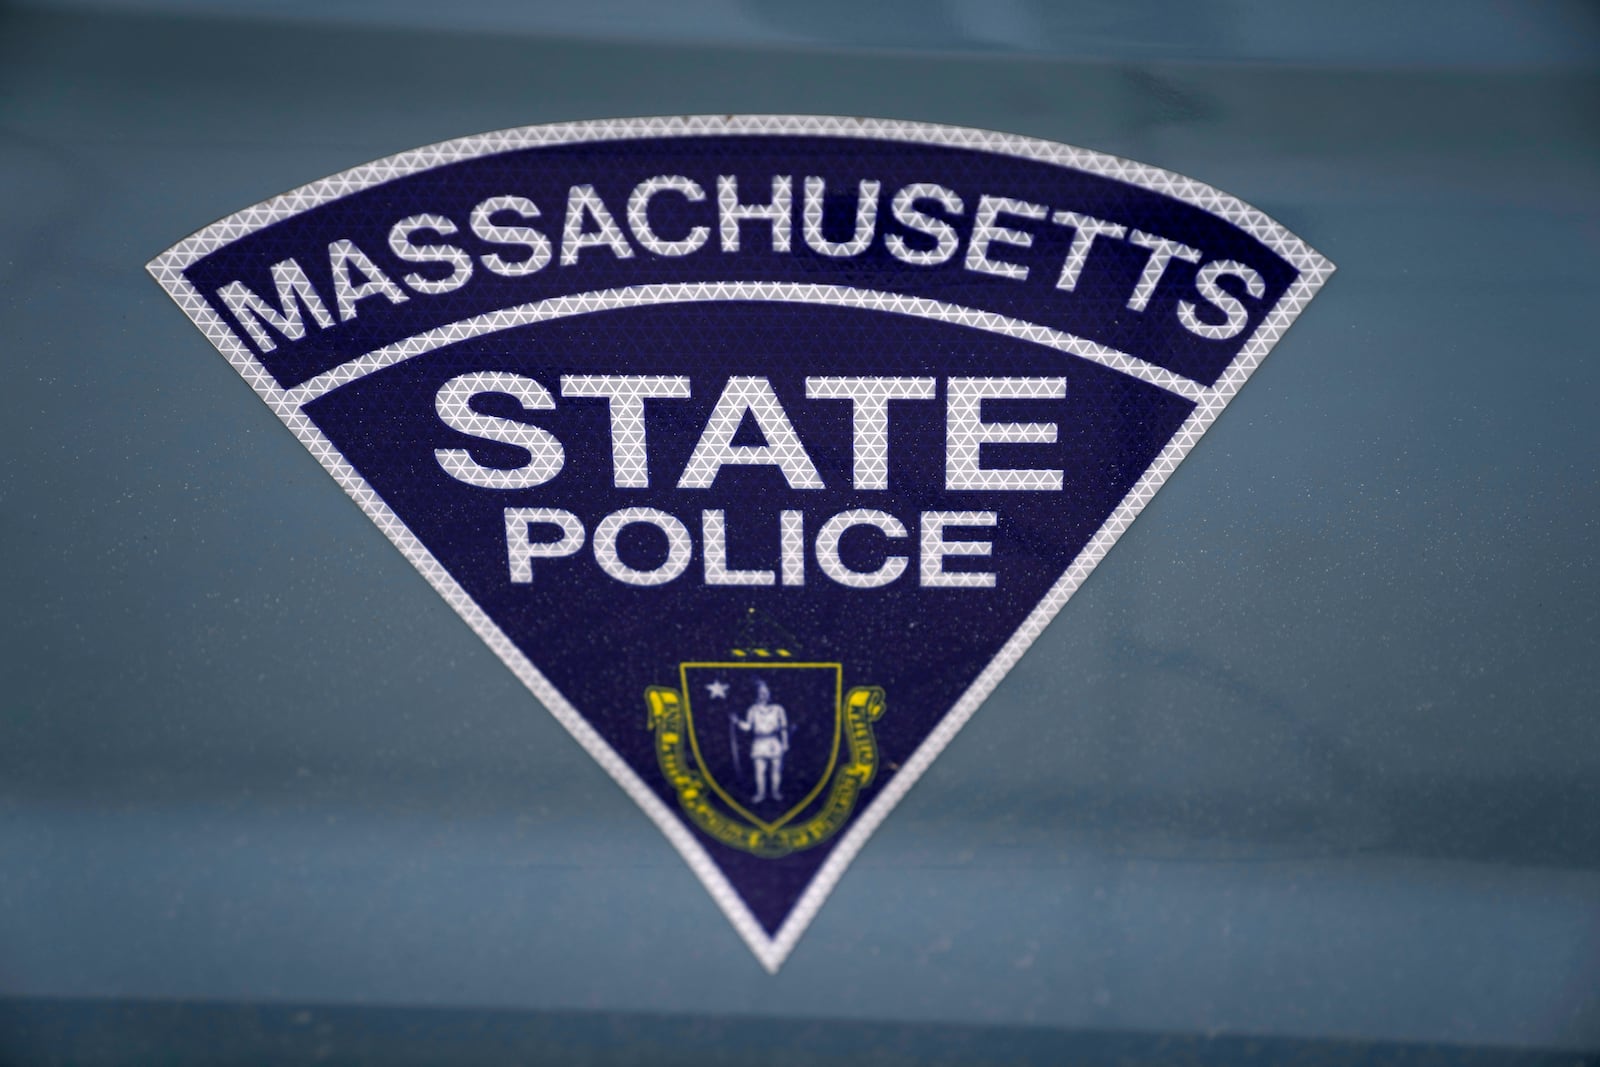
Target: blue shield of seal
[765,735]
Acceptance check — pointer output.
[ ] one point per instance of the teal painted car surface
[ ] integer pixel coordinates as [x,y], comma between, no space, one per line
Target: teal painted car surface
[1308,771]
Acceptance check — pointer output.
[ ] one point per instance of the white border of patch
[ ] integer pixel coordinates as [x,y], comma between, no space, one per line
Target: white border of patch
[1314,270]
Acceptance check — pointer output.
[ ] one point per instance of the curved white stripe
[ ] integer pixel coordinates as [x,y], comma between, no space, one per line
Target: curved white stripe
[1177,186]
[700,292]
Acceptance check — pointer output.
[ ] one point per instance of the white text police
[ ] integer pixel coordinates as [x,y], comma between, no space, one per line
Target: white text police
[547,533]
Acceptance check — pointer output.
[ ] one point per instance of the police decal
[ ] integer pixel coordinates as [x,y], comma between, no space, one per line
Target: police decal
[758,447]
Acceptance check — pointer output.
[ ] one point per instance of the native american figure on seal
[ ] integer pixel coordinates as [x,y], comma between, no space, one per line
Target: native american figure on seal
[768,726]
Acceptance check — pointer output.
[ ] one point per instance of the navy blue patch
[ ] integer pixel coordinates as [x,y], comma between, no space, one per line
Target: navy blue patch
[760,448]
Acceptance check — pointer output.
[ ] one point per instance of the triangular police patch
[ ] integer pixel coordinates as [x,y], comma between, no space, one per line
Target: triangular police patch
[760,448]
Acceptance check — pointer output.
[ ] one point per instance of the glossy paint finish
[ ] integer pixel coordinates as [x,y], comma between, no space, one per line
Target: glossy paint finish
[1313,756]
